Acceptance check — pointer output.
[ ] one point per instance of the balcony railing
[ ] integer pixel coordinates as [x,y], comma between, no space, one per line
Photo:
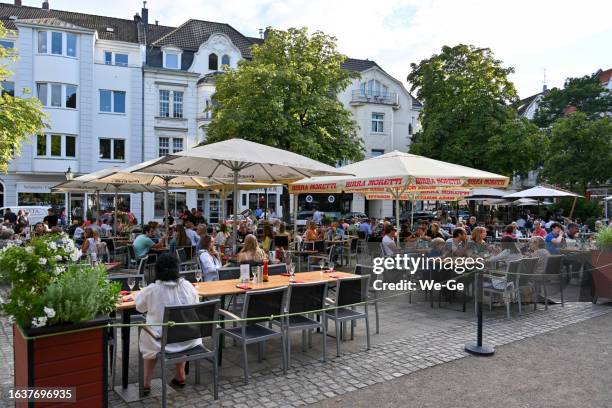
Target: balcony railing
[359,96]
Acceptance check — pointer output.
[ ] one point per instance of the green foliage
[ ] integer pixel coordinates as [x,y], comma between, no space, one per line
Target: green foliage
[80,294]
[286,97]
[586,95]
[19,117]
[583,210]
[603,238]
[467,118]
[580,152]
[39,272]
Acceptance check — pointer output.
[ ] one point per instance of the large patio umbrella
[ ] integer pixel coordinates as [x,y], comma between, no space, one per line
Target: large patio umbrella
[240,160]
[397,173]
[543,191]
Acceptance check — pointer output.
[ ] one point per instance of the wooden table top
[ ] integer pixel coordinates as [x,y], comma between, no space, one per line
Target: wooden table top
[228,287]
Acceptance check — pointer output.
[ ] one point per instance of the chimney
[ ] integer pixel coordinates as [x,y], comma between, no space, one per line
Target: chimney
[145,13]
[45,5]
[261,33]
[136,18]
[156,22]
[18,2]
[544,88]
[265,34]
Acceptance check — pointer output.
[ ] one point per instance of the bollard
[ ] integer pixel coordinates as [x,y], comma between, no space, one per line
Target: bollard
[477,348]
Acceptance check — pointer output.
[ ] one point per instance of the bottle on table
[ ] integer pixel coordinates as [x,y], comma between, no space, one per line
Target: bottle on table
[265,270]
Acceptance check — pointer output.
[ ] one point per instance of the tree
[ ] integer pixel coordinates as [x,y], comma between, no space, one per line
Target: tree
[580,152]
[19,117]
[585,94]
[286,97]
[467,118]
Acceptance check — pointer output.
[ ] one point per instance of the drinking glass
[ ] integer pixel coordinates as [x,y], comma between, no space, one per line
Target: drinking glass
[291,269]
[131,282]
[322,264]
[198,276]
[331,266]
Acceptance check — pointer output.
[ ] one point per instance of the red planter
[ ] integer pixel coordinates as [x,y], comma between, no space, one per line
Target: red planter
[71,360]
[602,274]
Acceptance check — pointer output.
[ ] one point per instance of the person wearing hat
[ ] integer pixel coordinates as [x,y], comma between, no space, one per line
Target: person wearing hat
[388,242]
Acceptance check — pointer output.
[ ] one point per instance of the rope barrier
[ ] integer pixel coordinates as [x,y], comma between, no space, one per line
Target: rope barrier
[284,315]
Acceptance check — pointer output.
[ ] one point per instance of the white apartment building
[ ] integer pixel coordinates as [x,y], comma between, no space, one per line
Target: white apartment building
[119,91]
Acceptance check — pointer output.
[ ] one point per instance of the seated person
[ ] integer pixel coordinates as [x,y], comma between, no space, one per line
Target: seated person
[434,232]
[251,252]
[106,228]
[144,242]
[222,235]
[388,242]
[311,233]
[267,238]
[210,261]
[538,231]
[191,234]
[168,289]
[457,245]
[538,248]
[510,251]
[242,231]
[89,243]
[477,243]
[437,248]
[555,239]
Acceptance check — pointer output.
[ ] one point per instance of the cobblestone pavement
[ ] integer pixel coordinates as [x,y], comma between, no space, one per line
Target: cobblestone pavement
[413,337]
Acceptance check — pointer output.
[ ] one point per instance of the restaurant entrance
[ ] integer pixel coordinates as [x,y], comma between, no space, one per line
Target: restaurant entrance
[340,203]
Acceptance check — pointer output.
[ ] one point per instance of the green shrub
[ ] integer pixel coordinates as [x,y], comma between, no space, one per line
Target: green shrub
[603,238]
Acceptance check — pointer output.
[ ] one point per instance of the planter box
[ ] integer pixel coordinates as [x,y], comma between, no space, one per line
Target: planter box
[602,274]
[78,360]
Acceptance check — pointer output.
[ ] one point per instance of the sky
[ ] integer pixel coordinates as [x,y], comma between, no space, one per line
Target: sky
[552,39]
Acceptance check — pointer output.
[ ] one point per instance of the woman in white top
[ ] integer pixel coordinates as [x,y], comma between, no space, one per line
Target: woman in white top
[209,260]
[388,241]
[222,235]
[91,239]
[168,290]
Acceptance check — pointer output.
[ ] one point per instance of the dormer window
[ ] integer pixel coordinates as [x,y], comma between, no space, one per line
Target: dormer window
[213,62]
[225,60]
[172,60]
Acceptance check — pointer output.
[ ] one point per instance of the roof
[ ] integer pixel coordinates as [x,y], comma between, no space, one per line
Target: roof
[50,21]
[524,104]
[360,65]
[604,76]
[191,34]
[122,29]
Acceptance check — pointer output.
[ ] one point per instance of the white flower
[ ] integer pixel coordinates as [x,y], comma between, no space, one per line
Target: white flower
[58,257]
[59,270]
[29,249]
[39,321]
[49,312]
[52,246]
[42,261]
[75,255]
[11,319]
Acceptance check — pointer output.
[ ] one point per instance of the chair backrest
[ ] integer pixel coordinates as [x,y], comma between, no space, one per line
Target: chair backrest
[512,269]
[198,312]
[309,246]
[319,246]
[188,275]
[330,252]
[264,303]
[367,270]
[277,269]
[110,243]
[352,290]
[281,241]
[231,272]
[131,252]
[123,279]
[188,251]
[306,297]
[353,244]
[361,234]
[554,264]
[528,267]
[180,254]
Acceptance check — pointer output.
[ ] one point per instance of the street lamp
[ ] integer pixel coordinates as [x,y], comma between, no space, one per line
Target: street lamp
[69,175]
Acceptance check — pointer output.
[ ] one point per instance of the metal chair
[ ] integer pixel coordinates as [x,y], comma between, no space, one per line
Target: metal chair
[554,273]
[327,259]
[257,304]
[303,298]
[527,268]
[199,312]
[231,272]
[506,285]
[349,292]
[364,270]
[185,264]
[277,269]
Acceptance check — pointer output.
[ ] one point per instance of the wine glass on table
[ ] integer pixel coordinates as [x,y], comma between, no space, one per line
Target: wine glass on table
[291,269]
[331,266]
[131,282]
[321,264]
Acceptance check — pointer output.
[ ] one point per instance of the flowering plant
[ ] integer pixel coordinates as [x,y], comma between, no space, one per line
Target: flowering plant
[31,270]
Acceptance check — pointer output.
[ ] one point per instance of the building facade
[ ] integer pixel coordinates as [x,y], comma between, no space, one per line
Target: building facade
[121,91]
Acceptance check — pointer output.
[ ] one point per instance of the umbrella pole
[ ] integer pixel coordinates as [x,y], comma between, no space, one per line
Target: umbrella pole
[223,196]
[412,213]
[573,208]
[266,209]
[295,210]
[115,212]
[397,218]
[166,209]
[235,215]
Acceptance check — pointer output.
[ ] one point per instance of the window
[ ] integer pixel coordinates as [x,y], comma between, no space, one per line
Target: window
[176,202]
[56,146]
[167,109]
[56,43]
[42,42]
[121,60]
[410,128]
[56,95]
[225,60]
[71,96]
[71,45]
[177,105]
[165,144]
[377,152]
[62,95]
[108,57]
[112,149]
[385,89]
[213,62]
[377,122]
[362,88]
[112,101]
[8,88]
[7,45]
[172,60]
[164,103]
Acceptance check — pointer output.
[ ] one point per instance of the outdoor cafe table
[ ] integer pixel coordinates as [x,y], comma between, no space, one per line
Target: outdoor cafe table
[211,290]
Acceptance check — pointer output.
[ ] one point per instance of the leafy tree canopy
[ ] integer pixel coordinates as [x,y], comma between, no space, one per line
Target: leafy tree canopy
[580,152]
[467,118]
[19,117]
[585,94]
[286,97]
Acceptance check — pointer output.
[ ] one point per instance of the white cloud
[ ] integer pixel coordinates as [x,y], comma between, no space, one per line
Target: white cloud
[567,38]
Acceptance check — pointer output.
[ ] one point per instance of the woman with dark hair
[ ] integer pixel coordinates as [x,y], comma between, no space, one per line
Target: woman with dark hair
[168,289]
[210,262]
[181,238]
